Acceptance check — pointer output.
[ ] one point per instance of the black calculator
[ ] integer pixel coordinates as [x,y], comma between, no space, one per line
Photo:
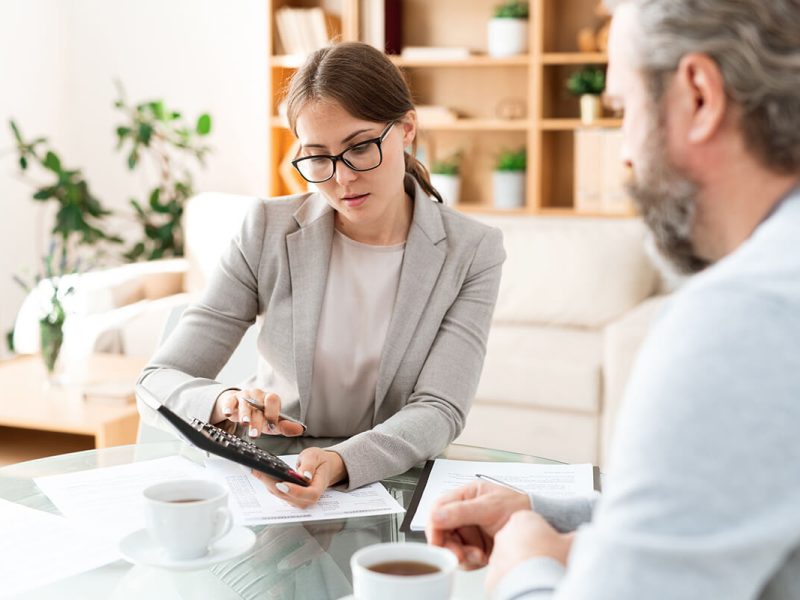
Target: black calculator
[216,441]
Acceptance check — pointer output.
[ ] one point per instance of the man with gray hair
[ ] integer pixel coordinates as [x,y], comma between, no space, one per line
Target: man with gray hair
[702,498]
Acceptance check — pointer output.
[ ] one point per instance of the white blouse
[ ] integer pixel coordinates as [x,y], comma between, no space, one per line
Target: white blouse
[356,310]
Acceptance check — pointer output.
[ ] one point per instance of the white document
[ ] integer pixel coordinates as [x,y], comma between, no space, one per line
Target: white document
[39,548]
[558,481]
[252,504]
[110,499]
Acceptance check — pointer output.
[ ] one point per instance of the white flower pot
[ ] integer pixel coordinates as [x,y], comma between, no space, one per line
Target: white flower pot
[449,186]
[508,189]
[508,37]
[591,108]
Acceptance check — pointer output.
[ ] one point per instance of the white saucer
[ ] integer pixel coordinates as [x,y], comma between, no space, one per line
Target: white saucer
[139,549]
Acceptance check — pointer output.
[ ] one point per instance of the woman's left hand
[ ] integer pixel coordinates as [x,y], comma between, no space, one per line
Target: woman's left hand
[322,467]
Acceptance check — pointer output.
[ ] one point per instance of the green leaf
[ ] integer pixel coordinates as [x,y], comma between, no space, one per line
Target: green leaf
[23,163]
[157,107]
[174,115]
[204,124]
[52,162]
[43,194]
[15,130]
[154,196]
[133,158]
[145,133]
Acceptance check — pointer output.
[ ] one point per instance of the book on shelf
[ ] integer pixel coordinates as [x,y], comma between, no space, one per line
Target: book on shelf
[301,30]
[381,24]
[429,114]
[599,173]
[435,52]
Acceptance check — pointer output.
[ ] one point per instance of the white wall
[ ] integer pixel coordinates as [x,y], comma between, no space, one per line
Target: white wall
[58,61]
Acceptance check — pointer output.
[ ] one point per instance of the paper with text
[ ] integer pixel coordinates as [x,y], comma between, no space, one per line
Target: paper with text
[253,504]
[39,548]
[559,481]
[110,499]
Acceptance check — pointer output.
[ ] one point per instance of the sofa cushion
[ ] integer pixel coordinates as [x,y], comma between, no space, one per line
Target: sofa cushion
[575,272]
[568,437]
[550,367]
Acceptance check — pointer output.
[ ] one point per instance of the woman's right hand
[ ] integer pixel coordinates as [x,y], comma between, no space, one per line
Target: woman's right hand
[233,406]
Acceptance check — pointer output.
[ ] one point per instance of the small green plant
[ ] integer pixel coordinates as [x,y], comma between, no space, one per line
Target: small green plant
[79,217]
[51,323]
[447,166]
[513,9]
[588,80]
[164,135]
[512,160]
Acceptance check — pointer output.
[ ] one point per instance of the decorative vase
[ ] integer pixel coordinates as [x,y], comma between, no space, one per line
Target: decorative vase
[449,186]
[51,337]
[508,37]
[508,189]
[591,109]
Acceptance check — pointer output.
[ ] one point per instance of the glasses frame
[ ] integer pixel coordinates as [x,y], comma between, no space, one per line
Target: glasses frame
[334,158]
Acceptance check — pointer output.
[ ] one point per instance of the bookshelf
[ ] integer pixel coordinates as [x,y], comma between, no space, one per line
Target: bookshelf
[522,100]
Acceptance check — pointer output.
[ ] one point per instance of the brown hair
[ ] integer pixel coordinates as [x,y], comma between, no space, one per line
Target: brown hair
[365,83]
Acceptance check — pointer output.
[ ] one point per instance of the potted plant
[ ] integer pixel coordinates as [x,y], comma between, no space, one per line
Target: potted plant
[588,83]
[508,179]
[164,136]
[446,179]
[54,286]
[508,29]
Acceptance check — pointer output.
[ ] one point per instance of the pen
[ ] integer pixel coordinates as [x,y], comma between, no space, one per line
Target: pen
[281,416]
[502,483]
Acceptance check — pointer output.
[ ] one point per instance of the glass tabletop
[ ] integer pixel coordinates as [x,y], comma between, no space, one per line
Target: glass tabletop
[295,561]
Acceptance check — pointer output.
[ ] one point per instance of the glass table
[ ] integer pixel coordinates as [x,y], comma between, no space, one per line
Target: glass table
[303,561]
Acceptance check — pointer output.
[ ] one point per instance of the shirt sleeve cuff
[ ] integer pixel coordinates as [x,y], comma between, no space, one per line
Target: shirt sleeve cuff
[533,579]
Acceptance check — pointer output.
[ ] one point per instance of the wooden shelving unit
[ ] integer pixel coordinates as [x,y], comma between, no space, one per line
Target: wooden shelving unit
[483,90]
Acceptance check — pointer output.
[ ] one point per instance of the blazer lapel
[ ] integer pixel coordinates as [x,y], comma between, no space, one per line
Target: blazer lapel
[422,262]
[309,250]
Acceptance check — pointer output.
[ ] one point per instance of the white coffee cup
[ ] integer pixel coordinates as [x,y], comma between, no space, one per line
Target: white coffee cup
[371,585]
[186,516]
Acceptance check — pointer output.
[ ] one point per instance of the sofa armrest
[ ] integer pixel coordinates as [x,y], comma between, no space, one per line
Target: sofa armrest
[98,293]
[622,339]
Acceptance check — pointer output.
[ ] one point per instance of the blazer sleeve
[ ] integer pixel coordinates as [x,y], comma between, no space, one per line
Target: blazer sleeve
[438,407]
[181,373]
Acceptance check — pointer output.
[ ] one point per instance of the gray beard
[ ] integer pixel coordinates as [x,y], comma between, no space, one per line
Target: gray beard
[667,201]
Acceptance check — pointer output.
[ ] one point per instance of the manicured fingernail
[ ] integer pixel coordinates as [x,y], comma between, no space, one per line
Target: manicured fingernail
[253,432]
[246,419]
[282,487]
[307,475]
[473,556]
[227,410]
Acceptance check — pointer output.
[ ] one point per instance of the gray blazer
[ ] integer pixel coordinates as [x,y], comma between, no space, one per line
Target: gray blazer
[274,273]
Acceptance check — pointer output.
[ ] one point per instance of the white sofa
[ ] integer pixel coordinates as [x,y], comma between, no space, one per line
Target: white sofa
[576,298]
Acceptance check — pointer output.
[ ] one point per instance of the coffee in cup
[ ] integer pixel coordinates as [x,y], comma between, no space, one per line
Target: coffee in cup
[402,570]
[185,517]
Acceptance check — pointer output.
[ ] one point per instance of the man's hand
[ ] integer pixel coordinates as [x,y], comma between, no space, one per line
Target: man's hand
[525,535]
[322,467]
[466,520]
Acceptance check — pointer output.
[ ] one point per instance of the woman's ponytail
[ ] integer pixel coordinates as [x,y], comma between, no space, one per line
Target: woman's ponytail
[418,171]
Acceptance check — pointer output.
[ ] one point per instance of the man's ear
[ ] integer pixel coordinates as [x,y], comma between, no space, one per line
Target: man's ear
[408,125]
[701,87]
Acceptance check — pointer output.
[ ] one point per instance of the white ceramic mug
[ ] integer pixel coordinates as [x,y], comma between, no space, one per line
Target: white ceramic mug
[371,585]
[186,516]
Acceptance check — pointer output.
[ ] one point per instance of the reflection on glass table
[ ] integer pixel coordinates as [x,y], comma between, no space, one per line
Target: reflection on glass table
[293,561]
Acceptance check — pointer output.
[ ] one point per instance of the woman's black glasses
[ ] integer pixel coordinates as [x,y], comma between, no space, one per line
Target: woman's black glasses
[363,156]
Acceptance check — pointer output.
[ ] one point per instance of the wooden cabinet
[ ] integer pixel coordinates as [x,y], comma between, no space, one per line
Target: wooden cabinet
[502,103]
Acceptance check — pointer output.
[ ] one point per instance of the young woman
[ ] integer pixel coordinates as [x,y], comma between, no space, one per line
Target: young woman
[373,299]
